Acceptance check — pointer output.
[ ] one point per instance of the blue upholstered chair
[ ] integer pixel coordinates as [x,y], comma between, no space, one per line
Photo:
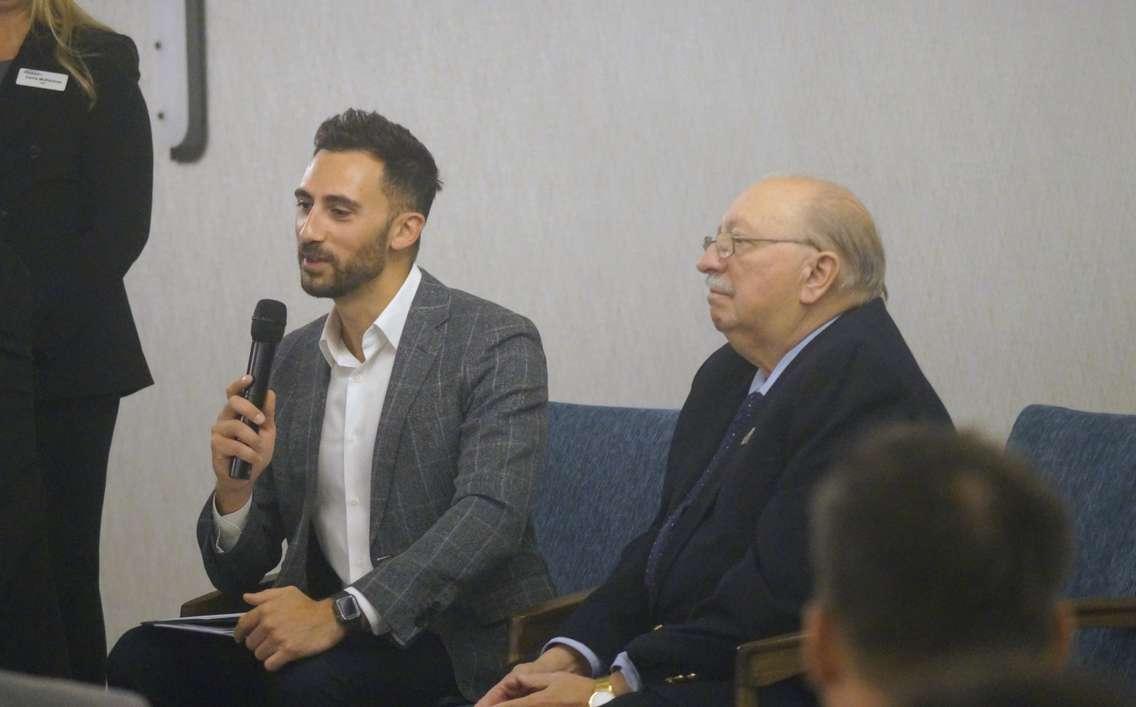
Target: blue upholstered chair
[600,488]
[1091,459]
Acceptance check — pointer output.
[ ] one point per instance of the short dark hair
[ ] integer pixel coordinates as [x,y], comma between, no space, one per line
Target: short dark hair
[410,174]
[927,544]
[1013,686]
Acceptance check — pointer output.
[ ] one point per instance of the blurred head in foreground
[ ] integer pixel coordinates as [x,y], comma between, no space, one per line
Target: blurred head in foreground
[930,546]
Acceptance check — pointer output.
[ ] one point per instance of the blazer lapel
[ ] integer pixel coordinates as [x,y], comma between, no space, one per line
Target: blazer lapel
[748,446]
[20,104]
[710,415]
[421,341]
[307,402]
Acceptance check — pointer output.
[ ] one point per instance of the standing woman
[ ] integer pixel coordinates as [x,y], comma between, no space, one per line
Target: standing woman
[76,165]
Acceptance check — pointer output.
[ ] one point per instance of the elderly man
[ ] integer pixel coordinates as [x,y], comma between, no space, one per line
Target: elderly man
[796,280]
[933,551]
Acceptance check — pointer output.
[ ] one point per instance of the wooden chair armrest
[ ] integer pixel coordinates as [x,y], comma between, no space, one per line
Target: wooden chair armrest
[1114,612]
[218,603]
[764,662]
[531,628]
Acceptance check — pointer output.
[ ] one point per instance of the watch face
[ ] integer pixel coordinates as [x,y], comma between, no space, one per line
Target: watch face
[347,608]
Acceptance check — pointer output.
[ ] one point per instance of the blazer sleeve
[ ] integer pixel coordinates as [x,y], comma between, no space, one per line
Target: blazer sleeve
[762,594]
[117,162]
[503,437]
[618,610]
[257,551]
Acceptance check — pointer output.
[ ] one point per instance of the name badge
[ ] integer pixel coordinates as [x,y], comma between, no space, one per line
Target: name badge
[42,79]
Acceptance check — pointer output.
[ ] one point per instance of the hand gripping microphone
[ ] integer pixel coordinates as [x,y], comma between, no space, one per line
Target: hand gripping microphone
[268,322]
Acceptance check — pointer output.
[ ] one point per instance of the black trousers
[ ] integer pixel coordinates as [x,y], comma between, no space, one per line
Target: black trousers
[180,668]
[73,437]
[32,636]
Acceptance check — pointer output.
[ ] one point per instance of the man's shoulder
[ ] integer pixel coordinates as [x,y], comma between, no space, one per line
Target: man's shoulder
[468,311]
[866,332]
[863,355]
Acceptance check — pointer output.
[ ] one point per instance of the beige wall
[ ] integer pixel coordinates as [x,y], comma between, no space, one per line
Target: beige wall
[588,146]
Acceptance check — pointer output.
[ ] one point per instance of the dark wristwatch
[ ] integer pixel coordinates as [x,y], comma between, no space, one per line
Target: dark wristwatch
[349,614]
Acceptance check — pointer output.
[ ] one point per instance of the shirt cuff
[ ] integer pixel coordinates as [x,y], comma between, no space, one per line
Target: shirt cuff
[378,626]
[589,655]
[230,525]
[623,664]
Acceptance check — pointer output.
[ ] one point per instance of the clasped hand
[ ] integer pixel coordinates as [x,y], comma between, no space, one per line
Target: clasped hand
[286,624]
[556,679]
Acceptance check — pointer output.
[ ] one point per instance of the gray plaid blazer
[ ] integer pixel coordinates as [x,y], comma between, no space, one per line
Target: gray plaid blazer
[461,438]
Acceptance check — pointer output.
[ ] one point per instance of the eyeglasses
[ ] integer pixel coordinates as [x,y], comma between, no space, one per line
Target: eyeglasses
[726,242]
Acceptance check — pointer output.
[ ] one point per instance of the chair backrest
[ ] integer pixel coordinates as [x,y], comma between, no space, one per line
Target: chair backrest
[1091,459]
[600,487]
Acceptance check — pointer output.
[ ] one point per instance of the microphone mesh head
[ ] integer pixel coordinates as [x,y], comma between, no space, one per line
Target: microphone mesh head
[269,321]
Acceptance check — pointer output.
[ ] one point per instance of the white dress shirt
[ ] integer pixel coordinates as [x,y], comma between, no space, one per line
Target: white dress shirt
[355,396]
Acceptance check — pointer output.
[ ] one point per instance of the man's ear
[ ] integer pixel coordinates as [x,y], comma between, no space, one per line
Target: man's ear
[1064,625]
[820,650]
[406,230]
[820,274]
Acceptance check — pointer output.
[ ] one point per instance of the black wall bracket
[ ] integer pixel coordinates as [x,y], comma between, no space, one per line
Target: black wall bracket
[192,146]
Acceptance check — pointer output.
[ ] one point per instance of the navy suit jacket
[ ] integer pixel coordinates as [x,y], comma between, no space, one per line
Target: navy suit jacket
[736,566]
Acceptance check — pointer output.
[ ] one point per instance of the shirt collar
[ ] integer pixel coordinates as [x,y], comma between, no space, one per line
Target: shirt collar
[386,329]
[762,383]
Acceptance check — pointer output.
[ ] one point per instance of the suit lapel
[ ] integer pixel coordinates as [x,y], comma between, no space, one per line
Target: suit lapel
[706,422]
[307,402]
[704,503]
[419,347]
[20,104]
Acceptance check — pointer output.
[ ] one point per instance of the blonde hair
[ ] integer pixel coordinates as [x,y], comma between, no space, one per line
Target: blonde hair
[64,19]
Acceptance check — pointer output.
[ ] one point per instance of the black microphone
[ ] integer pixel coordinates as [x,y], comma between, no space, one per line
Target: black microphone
[268,322]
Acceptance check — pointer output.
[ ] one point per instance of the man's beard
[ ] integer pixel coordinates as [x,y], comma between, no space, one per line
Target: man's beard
[363,267]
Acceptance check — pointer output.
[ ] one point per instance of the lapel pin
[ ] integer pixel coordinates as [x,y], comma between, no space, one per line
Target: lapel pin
[748,436]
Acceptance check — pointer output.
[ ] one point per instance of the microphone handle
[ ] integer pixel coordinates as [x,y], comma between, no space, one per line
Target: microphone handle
[259,367]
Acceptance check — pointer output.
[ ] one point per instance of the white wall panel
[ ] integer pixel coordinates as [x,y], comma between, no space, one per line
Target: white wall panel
[588,146]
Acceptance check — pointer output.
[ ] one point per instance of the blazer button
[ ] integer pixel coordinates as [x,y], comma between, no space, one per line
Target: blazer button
[34,152]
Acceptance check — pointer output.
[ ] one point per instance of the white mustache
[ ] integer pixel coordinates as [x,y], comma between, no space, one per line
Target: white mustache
[719,284]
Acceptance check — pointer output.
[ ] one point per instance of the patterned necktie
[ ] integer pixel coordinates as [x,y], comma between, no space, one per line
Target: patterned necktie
[725,450]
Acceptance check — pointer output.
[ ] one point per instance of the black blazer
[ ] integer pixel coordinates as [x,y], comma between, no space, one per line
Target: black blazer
[75,191]
[736,567]
[20,516]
